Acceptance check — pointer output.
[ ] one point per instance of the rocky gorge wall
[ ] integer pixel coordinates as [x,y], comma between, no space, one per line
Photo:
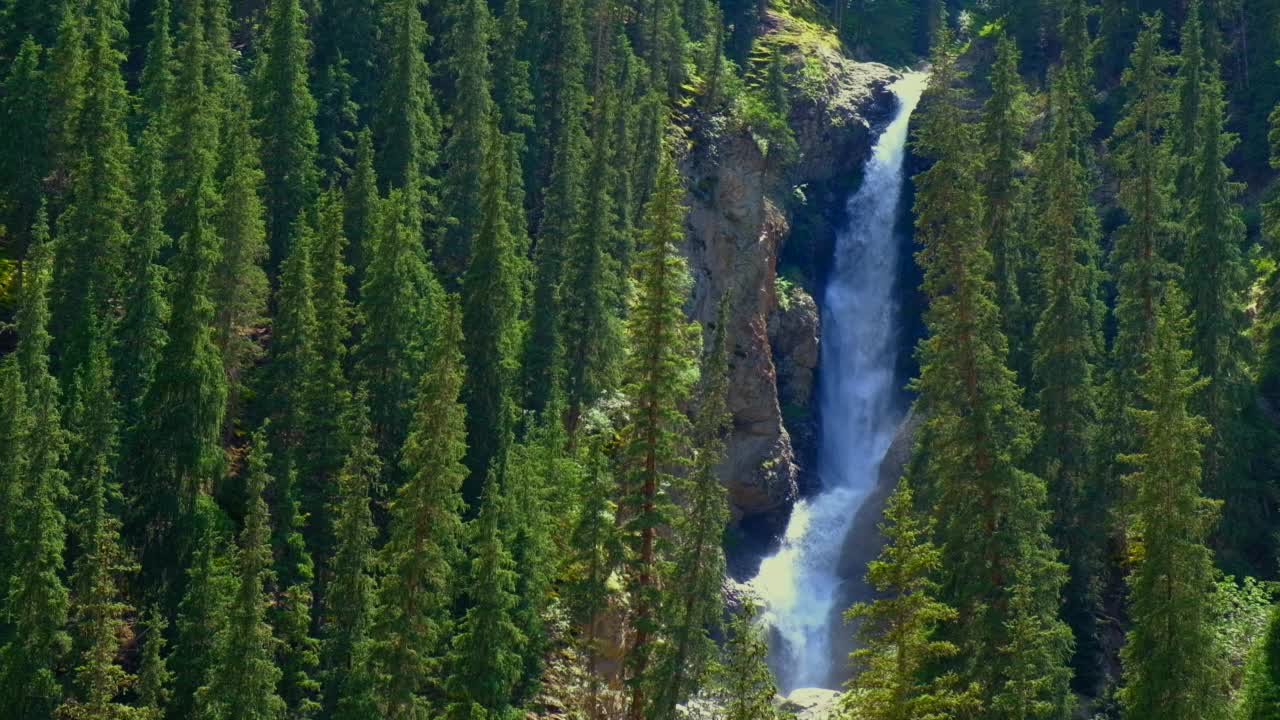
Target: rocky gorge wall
[751,218]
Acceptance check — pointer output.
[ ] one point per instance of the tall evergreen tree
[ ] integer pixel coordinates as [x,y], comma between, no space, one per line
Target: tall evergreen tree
[239,284]
[297,650]
[1171,657]
[36,606]
[1215,284]
[491,313]
[349,598]
[175,451]
[65,98]
[484,661]
[242,675]
[361,211]
[1184,127]
[154,688]
[662,352]
[563,150]
[1261,692]
[695,603]
[993,514]
[286,114]
[24,149]
[99,627]
[345,78]
[399,300]
[407,122]
[465,156]
[423,536]
[93,230]
[898,648]
[1005,118]
[202,612]
[595,549]
[1066,347]
[293,360]
[745,680]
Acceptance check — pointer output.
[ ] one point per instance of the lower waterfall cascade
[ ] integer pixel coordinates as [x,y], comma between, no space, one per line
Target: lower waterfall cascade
[860,410]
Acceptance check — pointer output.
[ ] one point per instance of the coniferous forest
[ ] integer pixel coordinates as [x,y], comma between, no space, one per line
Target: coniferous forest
[348,368]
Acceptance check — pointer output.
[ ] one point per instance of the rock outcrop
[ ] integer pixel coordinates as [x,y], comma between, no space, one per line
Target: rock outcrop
[741,212]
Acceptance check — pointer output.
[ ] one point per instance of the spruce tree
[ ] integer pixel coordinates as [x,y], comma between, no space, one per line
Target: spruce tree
[15,420]
[1171,655]
[695,604]
[595,549]
[1215,282]
[1184,128]
[286,114]
[241,677]
[202,612]
[345,82]
[36,606]
[484,661]
[298,651]
[1144,164]
[423,535]
[1004,124]
[407,123]
[24,148]
[350,593]
[141,336]
[65,95]
[399,300]
[99,628]
[293,360]
[362,211]
[565,144]
[491,313]
[1066,348]
[155,681]
[511,92]
[658,369]
[992,514]
[239,285]
[93,230]
[466,154]
[175,450]
[745,681]
[896,676]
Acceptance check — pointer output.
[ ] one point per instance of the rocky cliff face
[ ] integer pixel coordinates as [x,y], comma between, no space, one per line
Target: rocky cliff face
[743,207]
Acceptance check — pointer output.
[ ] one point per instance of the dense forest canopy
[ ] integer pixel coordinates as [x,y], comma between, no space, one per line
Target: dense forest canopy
[347,369]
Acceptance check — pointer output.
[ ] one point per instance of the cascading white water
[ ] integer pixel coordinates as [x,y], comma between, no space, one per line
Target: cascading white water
[800,585]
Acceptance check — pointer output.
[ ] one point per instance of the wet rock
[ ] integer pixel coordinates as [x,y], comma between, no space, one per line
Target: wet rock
[813,704]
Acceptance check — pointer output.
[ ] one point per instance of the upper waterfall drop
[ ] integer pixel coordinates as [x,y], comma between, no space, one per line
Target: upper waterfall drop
[860,411]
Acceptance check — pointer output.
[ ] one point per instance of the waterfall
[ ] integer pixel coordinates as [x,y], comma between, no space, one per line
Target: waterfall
[858,393]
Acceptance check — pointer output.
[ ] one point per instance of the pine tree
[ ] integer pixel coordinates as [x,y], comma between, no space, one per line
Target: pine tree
[657,383]
[202,612]
[407,122]
[695,604]
[99,628]
[484,660]
[298,652]
[1145,167]
[992,514]
[293,359]
[15,420]
[93,231]
[350,593]
[326,442]
[155,682]
[1215,282]
[36,605]
[423,535]
[466,154]
[346,80]
[242,675]
[24,148]
[745,680]
[491,314]
[398,302]
[594,551]
[65,98]
[1184,128]
[592,329]
[362,211]
[1171,656]
[141,336]
[511,92]
[1005,118]
[286,114]
[1066,347]
[239,285]
[175,451]
[560,206]
[898,648]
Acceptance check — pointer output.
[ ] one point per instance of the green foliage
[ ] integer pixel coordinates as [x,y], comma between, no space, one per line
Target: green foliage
[744,680]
